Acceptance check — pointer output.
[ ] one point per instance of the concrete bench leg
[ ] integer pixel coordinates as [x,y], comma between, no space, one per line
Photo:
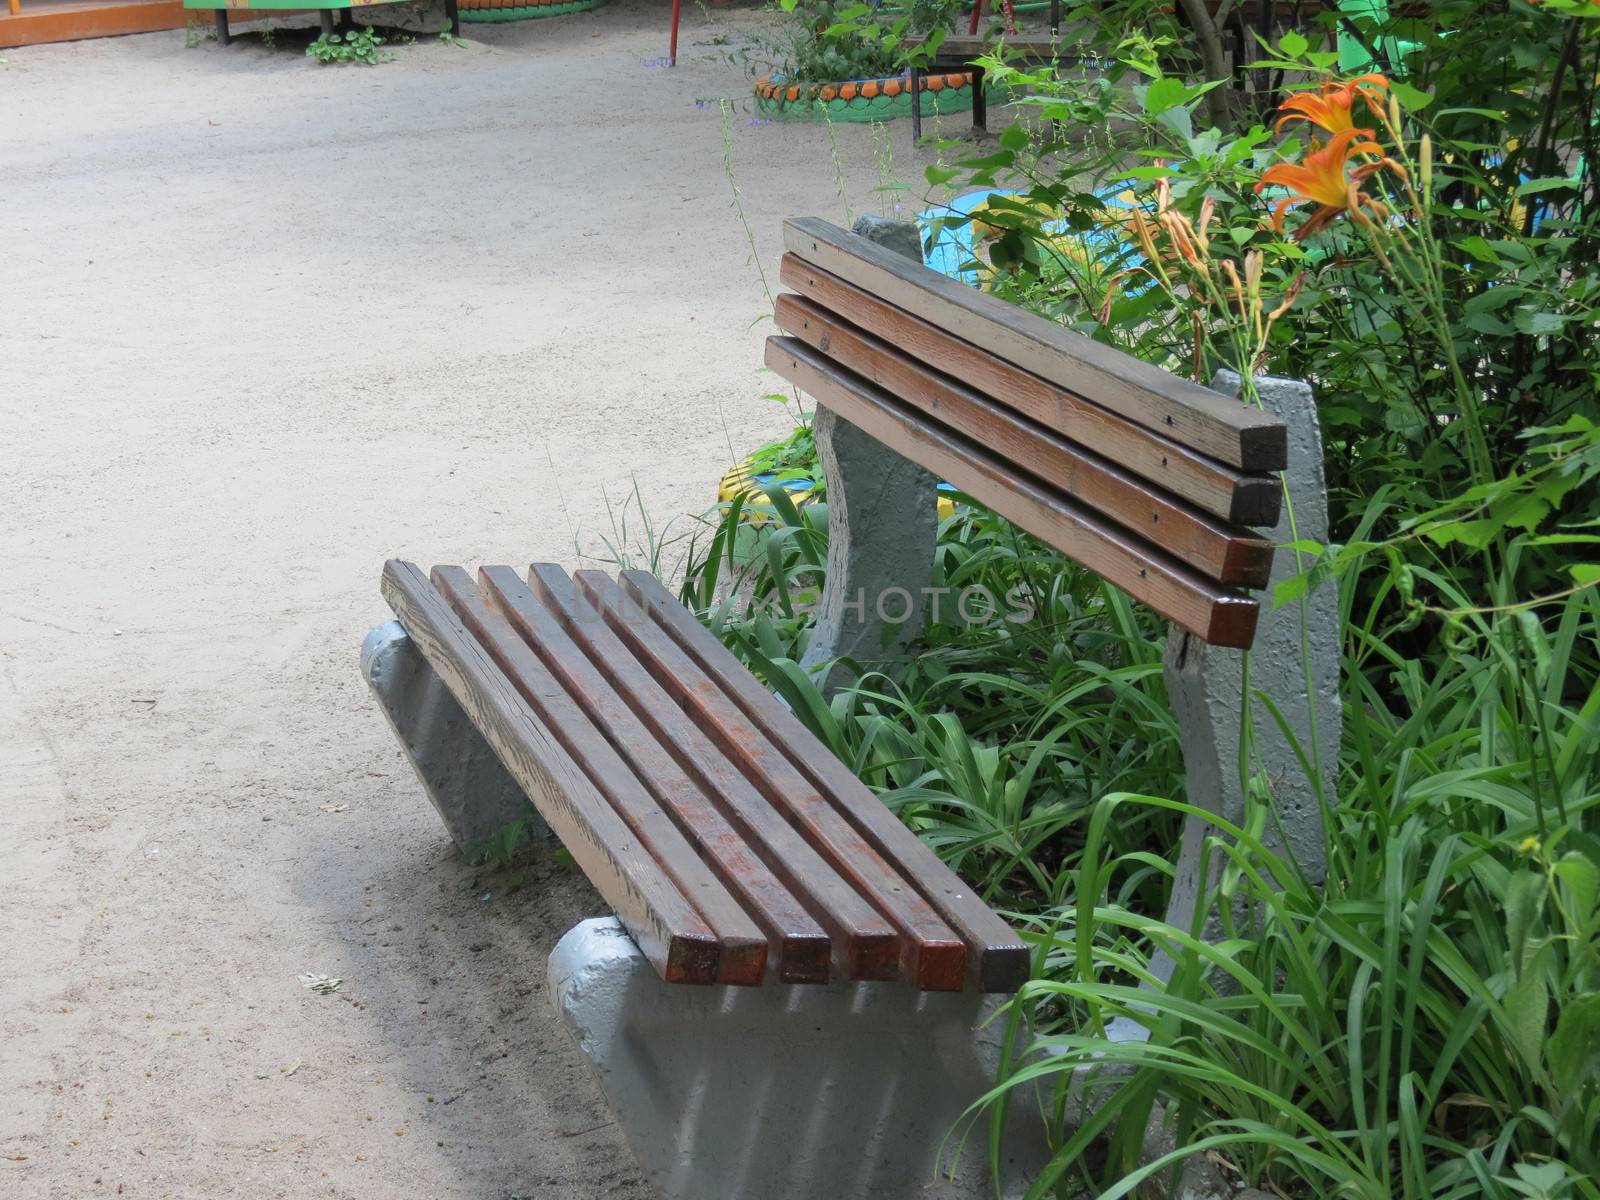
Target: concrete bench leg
[477,800]
[883,524]
[787,1091]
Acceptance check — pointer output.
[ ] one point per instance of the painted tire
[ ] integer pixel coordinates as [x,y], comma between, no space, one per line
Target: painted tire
[499,10]
[738,481]
[862,99]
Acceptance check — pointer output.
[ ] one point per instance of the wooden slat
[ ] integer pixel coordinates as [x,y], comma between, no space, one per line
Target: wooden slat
[668,929]
[932,956]
[998,959]
[1179,593]
[1194,416]
[865,945]
[1225,553]
[1243,498]
[718,860]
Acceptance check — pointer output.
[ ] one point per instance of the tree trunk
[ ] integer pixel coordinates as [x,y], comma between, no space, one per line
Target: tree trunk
[1208,34]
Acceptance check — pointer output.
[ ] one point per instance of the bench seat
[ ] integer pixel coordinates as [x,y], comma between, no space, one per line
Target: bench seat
[733,846]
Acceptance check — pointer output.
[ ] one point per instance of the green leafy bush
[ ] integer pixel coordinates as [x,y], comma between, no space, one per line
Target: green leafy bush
[355,46]
[825,41]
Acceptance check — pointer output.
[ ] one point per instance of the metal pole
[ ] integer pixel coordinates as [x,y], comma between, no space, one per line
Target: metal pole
[914,77]
[672,51]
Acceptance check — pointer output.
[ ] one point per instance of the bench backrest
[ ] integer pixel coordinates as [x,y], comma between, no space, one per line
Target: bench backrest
[1146,479]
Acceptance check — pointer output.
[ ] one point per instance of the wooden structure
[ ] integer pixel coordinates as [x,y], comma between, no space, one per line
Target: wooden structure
[222,10]
[1148,480]
[34,22]
[732,845]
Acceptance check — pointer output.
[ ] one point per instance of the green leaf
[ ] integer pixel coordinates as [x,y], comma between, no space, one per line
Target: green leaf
[1585,574]
[1287,591]
[1524,900]
[1164,93]
[1575,1045]
[1527,1008]
[1293,45]
[1548,184]
[1410,97]
[1539,324]
[1476,534]
[1581,878]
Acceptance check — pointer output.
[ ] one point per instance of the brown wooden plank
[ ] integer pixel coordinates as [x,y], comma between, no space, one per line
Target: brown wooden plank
[865,945]
[1179,593]
[932,956]
[668,929]
[1240,497]
[1213,424]
[718,860]
[1225,553]
[998,959]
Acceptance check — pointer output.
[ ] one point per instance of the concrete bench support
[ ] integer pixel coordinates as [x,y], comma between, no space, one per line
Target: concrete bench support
[800,1092]
[1295,662]
[883,525]
[475,797]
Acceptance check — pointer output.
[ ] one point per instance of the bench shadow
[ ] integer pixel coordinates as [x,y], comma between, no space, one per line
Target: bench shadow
[446,962]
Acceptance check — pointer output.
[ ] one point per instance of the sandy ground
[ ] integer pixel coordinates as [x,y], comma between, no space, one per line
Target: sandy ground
[263,325]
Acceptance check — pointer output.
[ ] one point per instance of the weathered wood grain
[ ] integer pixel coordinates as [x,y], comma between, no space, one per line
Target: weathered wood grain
[866,946]
[932,956]
[668,929]
[1215,425]
[1226,553]
[997,958]
[1240,497]
[715,858]
[1219,615]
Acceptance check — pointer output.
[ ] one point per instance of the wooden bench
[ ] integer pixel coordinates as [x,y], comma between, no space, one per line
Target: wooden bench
[736,850]
[730,842]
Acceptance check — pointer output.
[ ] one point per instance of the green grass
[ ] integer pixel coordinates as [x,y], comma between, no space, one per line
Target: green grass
[1425,1025]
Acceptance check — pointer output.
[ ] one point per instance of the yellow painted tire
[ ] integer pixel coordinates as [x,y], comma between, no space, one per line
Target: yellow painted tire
[737,481]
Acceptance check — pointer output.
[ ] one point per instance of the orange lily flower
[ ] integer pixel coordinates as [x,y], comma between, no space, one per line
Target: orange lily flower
[1324,179]
[1332,106]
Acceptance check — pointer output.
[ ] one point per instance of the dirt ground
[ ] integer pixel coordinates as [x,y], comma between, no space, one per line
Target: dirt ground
[262,325]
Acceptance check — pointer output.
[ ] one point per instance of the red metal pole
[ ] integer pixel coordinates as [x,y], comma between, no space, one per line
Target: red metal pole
[672,53]
[977,10]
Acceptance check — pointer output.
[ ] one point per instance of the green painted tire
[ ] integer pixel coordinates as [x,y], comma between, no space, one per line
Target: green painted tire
[862,99]
[526,12]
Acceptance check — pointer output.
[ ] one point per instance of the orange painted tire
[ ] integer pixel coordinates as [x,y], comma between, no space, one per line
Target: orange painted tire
[879,99]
